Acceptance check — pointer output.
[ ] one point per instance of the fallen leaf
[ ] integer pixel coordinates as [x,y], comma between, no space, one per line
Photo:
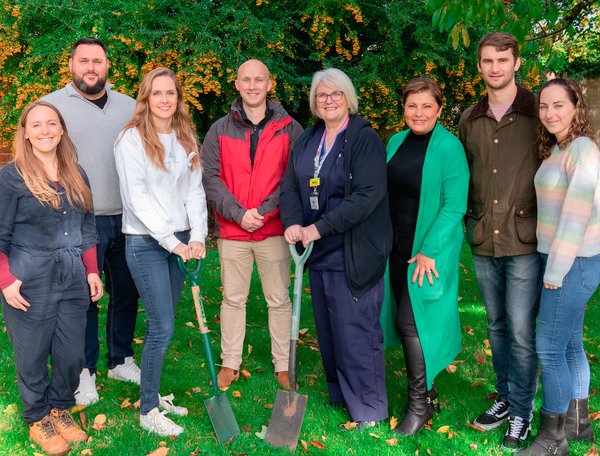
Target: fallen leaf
[87,451]
[138,341]
[488,352]
[349,425]
[372,434]
[486,342]
[162,443]
[469,330]
[11,409]
[136,404]
[38,454]
[398,373]
[77,408]
[188,393]
[451,368]
[443,429]
[318,445]
[217,320]
[594,416]
[237,394]
[392,441]
[245,374]
[393,423]
[451,434]
[480,358]
[249,349]
[99,422]
[159,452]
[491,396]
[473,446]
[474,426]
[268,406]
[196,389]
[221,288]
[593,452]
[303,331]
[304,445]
[246,428]
[126,403]
[190,324]
[262,433]
[83,419]
[476,384]
[307,290]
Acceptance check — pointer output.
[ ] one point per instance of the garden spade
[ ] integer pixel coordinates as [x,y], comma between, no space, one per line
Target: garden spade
[218,406]
[288,411]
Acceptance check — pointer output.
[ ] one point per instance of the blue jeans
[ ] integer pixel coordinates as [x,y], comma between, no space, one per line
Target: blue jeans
[510,287]
[159,282]
[122,297]
[565,368]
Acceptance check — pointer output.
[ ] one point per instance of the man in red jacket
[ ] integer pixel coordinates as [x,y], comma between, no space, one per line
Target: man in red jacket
[245,155]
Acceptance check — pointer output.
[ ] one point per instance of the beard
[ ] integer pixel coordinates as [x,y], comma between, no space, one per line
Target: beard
[90,90]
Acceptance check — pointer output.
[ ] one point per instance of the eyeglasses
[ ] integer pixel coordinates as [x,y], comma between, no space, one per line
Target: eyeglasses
[335,96]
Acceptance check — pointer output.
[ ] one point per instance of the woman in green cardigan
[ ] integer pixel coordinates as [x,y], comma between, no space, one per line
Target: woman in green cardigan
[428,179]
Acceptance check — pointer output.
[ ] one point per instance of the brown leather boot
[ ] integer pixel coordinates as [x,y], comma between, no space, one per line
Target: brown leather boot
[67,427]
[227,376]
[283,378]
[47,437]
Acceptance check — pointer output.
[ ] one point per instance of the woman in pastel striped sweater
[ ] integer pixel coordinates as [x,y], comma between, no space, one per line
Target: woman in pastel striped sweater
[568,232]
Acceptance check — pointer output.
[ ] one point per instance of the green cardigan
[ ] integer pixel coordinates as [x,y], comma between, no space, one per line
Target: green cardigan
[438,235]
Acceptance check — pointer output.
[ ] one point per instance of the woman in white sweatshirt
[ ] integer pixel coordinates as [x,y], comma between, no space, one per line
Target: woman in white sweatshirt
[164,216]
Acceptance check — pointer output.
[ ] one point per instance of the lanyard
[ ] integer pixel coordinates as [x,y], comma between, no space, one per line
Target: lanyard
[318,163]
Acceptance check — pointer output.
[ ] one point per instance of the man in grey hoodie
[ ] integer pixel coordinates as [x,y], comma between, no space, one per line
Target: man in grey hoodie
[95,115]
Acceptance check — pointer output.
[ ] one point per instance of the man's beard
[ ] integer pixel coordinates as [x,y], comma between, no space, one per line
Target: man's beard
[90,90]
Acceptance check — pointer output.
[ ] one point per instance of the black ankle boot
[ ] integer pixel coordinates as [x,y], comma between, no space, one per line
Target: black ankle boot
[419,411]
[577,425]
[551,438]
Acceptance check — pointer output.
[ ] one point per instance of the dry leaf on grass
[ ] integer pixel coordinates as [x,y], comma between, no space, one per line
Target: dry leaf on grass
[304,445]
[398,373]
[451,434]
[393,423]
[318,445]
[126,403]
[349,425]
[262,433]
[136,404]
[85,452]
[249,349]
[594,416]
[488,352]
[162,443]
[159,452]
[476,384]
[492,396]
[99,422]
[593,452]
[443,429]
[190,324]
[77,408]
[474,426]
[268,406]
[392,441]
[196,389]
[307,290]
[138,341]
[237,394]
[480,358]
[38,454]
[451,368]
[11,409]
[473,446]
[217,320]
[372,434]
[303,331]
[469,330]
[83,419]
[245,374]
[486,342]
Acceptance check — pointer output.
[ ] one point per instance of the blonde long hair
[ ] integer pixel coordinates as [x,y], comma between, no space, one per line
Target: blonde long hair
[31,168]
[182,124]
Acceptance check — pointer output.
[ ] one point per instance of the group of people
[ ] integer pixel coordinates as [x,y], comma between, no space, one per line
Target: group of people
[101,183]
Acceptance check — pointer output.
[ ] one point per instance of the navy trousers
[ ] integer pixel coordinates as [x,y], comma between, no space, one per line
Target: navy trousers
[55,285]
[122,298]
[351,344]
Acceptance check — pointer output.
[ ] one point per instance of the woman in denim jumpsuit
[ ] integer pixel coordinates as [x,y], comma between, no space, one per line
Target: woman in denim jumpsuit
[47,269]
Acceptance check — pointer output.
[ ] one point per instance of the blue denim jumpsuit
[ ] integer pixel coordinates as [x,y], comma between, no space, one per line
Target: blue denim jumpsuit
[44,248]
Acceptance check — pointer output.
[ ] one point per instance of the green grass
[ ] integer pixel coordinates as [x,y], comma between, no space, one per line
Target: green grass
[462,393]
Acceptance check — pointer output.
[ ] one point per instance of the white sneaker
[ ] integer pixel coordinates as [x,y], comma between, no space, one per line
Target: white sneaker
[127,372]
[166,403]
[86,393]
[158,423]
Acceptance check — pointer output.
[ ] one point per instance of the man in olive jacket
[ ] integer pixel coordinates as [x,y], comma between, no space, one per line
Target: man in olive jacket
[498,134]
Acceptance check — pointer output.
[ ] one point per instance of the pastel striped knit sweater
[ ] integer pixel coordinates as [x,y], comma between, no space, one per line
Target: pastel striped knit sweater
[568,199]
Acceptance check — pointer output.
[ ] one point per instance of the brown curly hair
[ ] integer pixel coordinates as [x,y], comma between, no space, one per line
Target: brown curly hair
[580,126]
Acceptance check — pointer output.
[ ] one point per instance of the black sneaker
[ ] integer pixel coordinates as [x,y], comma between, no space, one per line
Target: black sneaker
[494,417]
[517,433]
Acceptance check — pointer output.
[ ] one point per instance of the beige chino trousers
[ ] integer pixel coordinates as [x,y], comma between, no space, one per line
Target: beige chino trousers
[272,259]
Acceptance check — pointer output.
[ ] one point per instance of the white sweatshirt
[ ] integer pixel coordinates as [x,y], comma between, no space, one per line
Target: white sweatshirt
[156,202]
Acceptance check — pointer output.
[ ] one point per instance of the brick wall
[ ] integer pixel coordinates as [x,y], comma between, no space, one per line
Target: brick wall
[5,154]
